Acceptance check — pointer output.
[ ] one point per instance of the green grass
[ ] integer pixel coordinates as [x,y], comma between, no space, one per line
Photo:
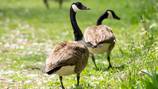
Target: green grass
[28,31]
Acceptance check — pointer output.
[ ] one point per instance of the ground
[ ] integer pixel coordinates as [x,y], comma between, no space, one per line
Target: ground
[28,32]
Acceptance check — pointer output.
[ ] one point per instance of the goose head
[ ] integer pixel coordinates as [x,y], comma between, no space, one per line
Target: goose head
[79,6]
[111,14]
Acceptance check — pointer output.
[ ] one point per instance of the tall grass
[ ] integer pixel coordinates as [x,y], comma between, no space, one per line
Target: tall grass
[28,31]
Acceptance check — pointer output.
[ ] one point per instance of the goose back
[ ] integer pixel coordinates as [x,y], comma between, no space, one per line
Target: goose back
[99,37]
[69,56]
[97,34]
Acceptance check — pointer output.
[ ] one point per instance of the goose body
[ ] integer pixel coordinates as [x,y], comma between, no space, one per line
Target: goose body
[69,58]
[66,70]
[100,38]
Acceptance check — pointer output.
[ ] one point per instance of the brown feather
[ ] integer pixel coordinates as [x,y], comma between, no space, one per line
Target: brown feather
[100,36]
[68,54]
[97,34]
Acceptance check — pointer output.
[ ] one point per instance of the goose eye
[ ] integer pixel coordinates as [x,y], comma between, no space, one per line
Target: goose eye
[79,5]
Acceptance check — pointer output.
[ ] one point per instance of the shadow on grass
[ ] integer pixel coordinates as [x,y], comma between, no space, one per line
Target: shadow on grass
[104,68]
[78,87]
[81,86]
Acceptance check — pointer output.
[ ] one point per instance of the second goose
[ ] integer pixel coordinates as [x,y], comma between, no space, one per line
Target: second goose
[100,38]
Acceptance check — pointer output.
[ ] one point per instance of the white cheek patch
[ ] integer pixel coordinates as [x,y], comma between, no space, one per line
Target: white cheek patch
[110,15]
[75,8]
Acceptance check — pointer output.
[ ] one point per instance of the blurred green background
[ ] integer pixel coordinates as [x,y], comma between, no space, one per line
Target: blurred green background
[28,31]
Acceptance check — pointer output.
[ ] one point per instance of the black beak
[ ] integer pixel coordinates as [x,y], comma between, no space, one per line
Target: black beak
[115,16]
[85,8]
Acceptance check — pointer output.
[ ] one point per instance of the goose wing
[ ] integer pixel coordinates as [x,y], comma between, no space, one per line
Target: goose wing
[99,34]
[64,54]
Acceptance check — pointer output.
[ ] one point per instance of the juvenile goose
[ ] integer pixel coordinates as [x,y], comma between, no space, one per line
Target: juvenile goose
[69,57]
[100,38]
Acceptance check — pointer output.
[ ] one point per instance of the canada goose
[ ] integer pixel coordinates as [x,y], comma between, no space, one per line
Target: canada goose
[69,57]
[46,3]
[100,38]
[59,1]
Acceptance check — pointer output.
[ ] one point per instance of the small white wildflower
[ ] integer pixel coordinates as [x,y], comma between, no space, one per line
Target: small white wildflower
[152,25]
[144,71]
[28,81]
[6,45]
[6,72]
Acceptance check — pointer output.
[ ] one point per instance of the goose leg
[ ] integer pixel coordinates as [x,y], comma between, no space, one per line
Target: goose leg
[61,82]
[46,3]
[60,3]
[109,52]
[93,59]
[78,79]
[108,57]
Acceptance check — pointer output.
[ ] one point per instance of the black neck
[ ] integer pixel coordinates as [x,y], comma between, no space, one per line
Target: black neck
[77,32]
[101,18]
